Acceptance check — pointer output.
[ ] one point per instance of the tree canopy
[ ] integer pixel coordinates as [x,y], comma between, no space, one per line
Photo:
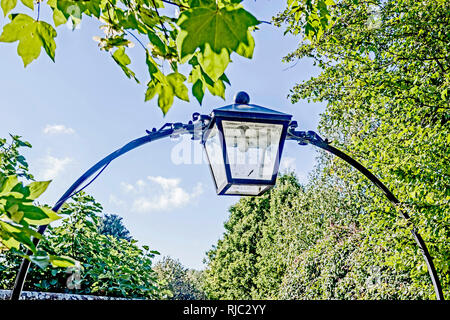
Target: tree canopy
[112,225]
[385,78]
[200,34]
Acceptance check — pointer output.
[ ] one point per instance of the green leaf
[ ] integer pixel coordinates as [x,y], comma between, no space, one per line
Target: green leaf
[198,91]
[75,9]
[174,86]
[28,3]
[7,184]
[201,81]
[38,215]
[58,17]
[212,63]
[165,98]
[217,89]
[19,189]
[32,35]
[202,3]
[153,88]
[246,49]
[224,78]
[6,230]
[61,261]
[176,81]
[444,94]
[47,34]
[158,44]
[9,241]
[217,33]
[8,5]
[41,259]
[15,214]
[153,69]
[13,235]
[29,48]
[37,188]
[121,58]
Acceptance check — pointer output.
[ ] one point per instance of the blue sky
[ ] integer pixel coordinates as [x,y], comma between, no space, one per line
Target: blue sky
[79,109]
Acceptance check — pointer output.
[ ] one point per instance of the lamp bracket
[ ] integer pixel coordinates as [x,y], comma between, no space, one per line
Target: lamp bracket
[195,127]
[304,137]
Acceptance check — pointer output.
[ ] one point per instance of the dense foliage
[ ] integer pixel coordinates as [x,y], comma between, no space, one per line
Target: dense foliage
[19,214]
[106,265]
[12,162]
[112,225]
[232,263]
[200,34]
[179,282]
[385,78]
[97,254]
[312,242]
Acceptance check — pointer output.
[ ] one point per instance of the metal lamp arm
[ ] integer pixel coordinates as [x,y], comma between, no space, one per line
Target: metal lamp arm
[194,127]
[310,137]
[165,131]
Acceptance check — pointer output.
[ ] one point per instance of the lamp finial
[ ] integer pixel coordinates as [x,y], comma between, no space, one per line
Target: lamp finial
[242,97]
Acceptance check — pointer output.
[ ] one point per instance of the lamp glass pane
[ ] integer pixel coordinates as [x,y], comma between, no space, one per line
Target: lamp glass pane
[215,156]
[252,148]
[247,190]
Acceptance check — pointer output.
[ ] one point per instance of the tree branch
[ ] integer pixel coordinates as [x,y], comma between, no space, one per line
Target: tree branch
[160,21]
[175,4]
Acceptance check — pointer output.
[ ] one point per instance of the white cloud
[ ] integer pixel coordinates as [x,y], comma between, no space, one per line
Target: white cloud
[116,201]
[58,129]
[53,166]
[165,183]
[126,187]
[160,194]
[141,184]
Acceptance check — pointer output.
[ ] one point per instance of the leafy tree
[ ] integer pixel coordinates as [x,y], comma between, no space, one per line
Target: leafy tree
[107,265]
[112,225]
[232,271]
[385,78]
[200,34]
[19,216]
[92,262]
[313,245]
[309,18]
[179,282]
[12,162]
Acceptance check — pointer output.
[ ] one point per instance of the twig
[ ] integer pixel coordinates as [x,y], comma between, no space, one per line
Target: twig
[39,10]
[160,20]
[175,4]
[292,66]
[126,32]
[129,32]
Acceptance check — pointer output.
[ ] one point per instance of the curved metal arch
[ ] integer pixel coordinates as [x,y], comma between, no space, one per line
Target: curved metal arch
[165,131]
[313,138]
[196,129]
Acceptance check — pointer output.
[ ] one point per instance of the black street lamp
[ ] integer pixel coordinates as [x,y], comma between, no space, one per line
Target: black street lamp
[243,143]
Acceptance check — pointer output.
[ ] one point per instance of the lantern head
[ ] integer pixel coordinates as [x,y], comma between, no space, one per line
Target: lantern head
[243,143]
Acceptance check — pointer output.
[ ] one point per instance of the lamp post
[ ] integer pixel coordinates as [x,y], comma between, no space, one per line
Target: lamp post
[243,143]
